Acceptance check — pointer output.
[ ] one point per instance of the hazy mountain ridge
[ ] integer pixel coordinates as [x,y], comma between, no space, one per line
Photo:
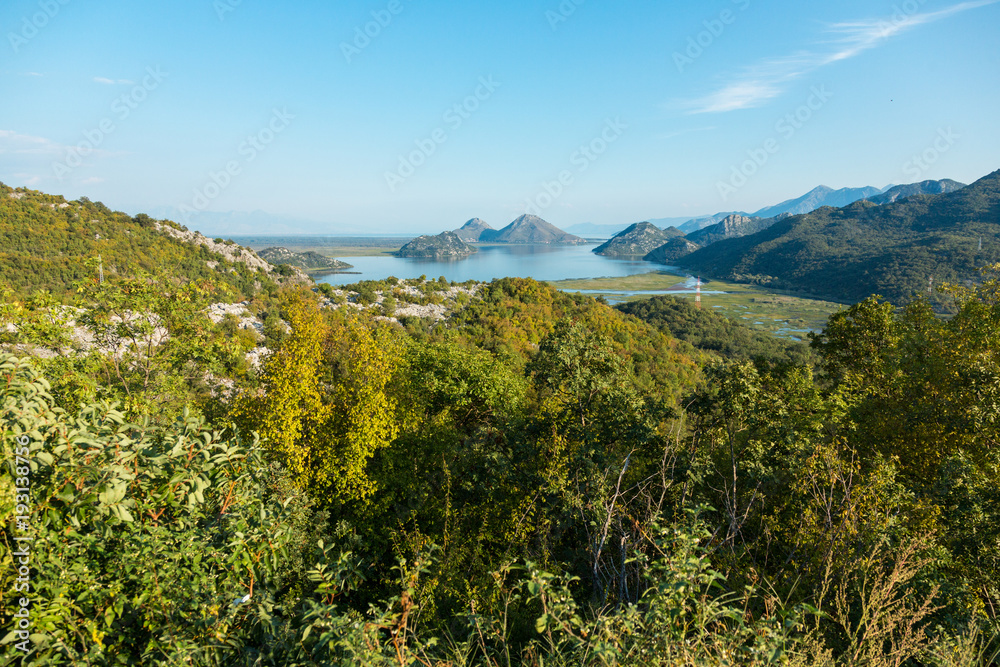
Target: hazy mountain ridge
[817,198]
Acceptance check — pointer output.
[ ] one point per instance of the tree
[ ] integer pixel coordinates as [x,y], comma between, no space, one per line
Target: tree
[322,404]
[288,410]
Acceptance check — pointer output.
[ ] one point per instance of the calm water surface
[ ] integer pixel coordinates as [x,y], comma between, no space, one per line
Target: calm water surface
[540,262]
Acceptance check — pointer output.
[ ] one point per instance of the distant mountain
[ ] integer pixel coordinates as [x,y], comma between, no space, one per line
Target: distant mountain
[671,251]
[731,227]
[475,231]
[446,245]
[532,229]
[923,188]
[664,223]
[636,241]
[308,261]
[817,197]
[849,253]
[695,224]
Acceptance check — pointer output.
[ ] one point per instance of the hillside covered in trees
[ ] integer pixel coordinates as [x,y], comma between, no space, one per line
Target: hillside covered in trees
[49,243]
[850,253]
[493,474]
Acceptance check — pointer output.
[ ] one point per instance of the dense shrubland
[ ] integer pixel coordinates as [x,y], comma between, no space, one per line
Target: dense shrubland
[538,479]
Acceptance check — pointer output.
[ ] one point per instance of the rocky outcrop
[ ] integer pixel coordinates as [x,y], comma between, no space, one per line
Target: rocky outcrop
[231,251]
[731,227]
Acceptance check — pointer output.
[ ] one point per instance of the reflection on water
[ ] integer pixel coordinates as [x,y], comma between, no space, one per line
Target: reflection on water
[541,262]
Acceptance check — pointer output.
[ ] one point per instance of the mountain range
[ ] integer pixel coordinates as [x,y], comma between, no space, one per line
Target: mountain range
[923,188]
[896,249]
[816,198]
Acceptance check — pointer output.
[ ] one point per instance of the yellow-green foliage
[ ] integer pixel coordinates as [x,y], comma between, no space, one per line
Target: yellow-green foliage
[287,410]
[322,403]
[362,416]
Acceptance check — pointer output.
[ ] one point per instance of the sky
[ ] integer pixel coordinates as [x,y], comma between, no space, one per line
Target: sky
[413,116]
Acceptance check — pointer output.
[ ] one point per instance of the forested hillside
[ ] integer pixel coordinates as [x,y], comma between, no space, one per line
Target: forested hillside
[850,253]
[423,473]
[536,479]
[48,243]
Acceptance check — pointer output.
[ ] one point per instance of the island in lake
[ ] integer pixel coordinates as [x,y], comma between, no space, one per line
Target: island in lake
[446,245]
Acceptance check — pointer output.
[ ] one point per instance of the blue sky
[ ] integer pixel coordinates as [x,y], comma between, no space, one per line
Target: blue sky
[580,110]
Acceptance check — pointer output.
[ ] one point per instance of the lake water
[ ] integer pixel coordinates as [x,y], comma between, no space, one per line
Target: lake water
[540,262]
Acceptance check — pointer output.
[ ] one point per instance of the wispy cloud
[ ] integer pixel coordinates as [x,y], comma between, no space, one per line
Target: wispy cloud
[112,82]
[32,74]
[769,78]
[13,143]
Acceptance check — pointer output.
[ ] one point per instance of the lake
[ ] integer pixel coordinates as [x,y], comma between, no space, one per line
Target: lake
[541,262]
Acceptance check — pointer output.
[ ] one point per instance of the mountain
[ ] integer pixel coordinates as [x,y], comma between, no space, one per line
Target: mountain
[671,251]
[475,231]
[446,245]
[310,261]
[923,188]
[695,224]
[817,197]
[664,223]
[731,227]
[636,241]
[847,254]
[532,229]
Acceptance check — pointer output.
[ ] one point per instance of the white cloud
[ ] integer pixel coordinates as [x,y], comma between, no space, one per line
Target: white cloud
[12,143]
[763,81]
[33,149]
[112,82]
